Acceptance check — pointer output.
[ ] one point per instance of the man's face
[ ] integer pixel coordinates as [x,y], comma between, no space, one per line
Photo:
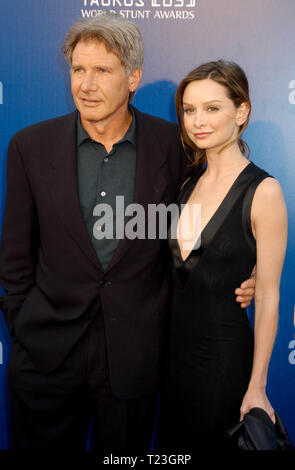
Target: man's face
[99,83]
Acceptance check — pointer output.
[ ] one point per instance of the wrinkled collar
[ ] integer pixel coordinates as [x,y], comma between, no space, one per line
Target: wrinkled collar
[130,135]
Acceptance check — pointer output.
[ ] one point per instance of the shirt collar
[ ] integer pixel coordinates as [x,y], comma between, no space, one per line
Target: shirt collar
[130,135]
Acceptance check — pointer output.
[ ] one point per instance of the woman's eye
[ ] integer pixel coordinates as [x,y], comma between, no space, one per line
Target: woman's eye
[212,109]
[188,110]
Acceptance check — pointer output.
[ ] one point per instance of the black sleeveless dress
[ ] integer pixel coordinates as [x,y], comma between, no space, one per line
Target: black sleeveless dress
[211,340]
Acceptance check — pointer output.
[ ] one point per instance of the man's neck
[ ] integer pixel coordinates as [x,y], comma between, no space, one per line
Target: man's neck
[108,131]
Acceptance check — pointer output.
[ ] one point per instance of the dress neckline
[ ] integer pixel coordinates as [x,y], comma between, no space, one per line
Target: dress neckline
[210,222]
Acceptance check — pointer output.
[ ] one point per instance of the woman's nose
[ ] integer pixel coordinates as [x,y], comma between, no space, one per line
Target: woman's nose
[199,120]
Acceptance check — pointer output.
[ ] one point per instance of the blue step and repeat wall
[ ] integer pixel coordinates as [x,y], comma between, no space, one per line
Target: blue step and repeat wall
[178,35]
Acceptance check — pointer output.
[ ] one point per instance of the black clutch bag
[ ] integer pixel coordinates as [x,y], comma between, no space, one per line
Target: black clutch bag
[258,432]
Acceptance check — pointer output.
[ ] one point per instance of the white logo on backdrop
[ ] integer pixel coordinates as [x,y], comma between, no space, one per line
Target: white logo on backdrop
[1,93]
[292,346]
[1,353]
[138,9]
[292,353]
[292,93]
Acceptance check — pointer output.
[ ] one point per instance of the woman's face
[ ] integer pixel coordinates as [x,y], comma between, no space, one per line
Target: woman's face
[210,117]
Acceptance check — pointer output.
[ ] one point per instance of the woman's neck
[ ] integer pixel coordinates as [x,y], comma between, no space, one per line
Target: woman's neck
[225,163]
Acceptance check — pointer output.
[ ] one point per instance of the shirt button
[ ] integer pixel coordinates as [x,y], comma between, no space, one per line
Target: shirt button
[105,159]
[103,193]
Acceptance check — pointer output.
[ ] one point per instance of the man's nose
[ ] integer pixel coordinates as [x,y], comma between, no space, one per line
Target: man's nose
[89,82]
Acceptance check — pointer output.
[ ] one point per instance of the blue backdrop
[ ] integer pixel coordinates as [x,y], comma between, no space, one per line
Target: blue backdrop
[178,35]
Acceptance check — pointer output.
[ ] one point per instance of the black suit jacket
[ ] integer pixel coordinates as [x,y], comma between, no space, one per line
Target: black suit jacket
[53,282]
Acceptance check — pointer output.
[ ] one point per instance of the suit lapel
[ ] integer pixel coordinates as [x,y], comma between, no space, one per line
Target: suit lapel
[149,179]
[63,186]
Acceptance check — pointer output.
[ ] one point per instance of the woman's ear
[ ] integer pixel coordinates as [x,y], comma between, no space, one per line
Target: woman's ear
[242,114]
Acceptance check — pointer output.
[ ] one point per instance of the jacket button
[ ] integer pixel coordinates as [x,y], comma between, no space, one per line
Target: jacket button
[105,283]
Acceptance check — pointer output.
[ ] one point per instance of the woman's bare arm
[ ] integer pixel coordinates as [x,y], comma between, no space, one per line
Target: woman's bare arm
[269,223]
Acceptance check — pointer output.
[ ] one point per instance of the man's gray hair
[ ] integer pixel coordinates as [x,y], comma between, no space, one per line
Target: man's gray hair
[119,36]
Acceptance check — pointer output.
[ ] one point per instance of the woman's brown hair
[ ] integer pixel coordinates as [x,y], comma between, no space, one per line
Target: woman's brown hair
[234,79]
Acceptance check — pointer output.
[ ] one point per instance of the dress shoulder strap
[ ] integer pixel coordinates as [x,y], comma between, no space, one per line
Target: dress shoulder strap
[247,205]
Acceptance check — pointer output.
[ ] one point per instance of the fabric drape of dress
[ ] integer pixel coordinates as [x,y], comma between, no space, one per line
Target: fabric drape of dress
[211,341]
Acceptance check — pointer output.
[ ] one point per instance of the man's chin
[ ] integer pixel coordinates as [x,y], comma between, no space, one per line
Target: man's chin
[91,116]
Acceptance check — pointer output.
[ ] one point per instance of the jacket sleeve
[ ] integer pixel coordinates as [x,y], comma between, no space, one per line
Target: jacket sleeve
[19,238]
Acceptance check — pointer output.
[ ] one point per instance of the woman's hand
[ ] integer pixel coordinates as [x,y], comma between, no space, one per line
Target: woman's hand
[255,397]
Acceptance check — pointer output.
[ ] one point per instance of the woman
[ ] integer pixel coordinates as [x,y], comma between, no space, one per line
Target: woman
[217,367]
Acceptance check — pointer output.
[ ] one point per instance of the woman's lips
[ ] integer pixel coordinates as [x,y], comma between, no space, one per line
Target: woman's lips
[202,135]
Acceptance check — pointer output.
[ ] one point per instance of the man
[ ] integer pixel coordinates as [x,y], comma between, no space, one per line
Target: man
[86,314]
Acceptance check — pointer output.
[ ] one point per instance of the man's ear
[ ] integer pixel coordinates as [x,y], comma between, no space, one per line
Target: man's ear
[134,79]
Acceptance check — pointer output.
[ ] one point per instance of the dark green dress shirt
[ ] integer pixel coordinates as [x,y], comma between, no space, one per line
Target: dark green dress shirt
[103,176]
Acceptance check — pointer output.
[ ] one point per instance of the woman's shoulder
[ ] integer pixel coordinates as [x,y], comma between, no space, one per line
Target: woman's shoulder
[267,185]
[268,197]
